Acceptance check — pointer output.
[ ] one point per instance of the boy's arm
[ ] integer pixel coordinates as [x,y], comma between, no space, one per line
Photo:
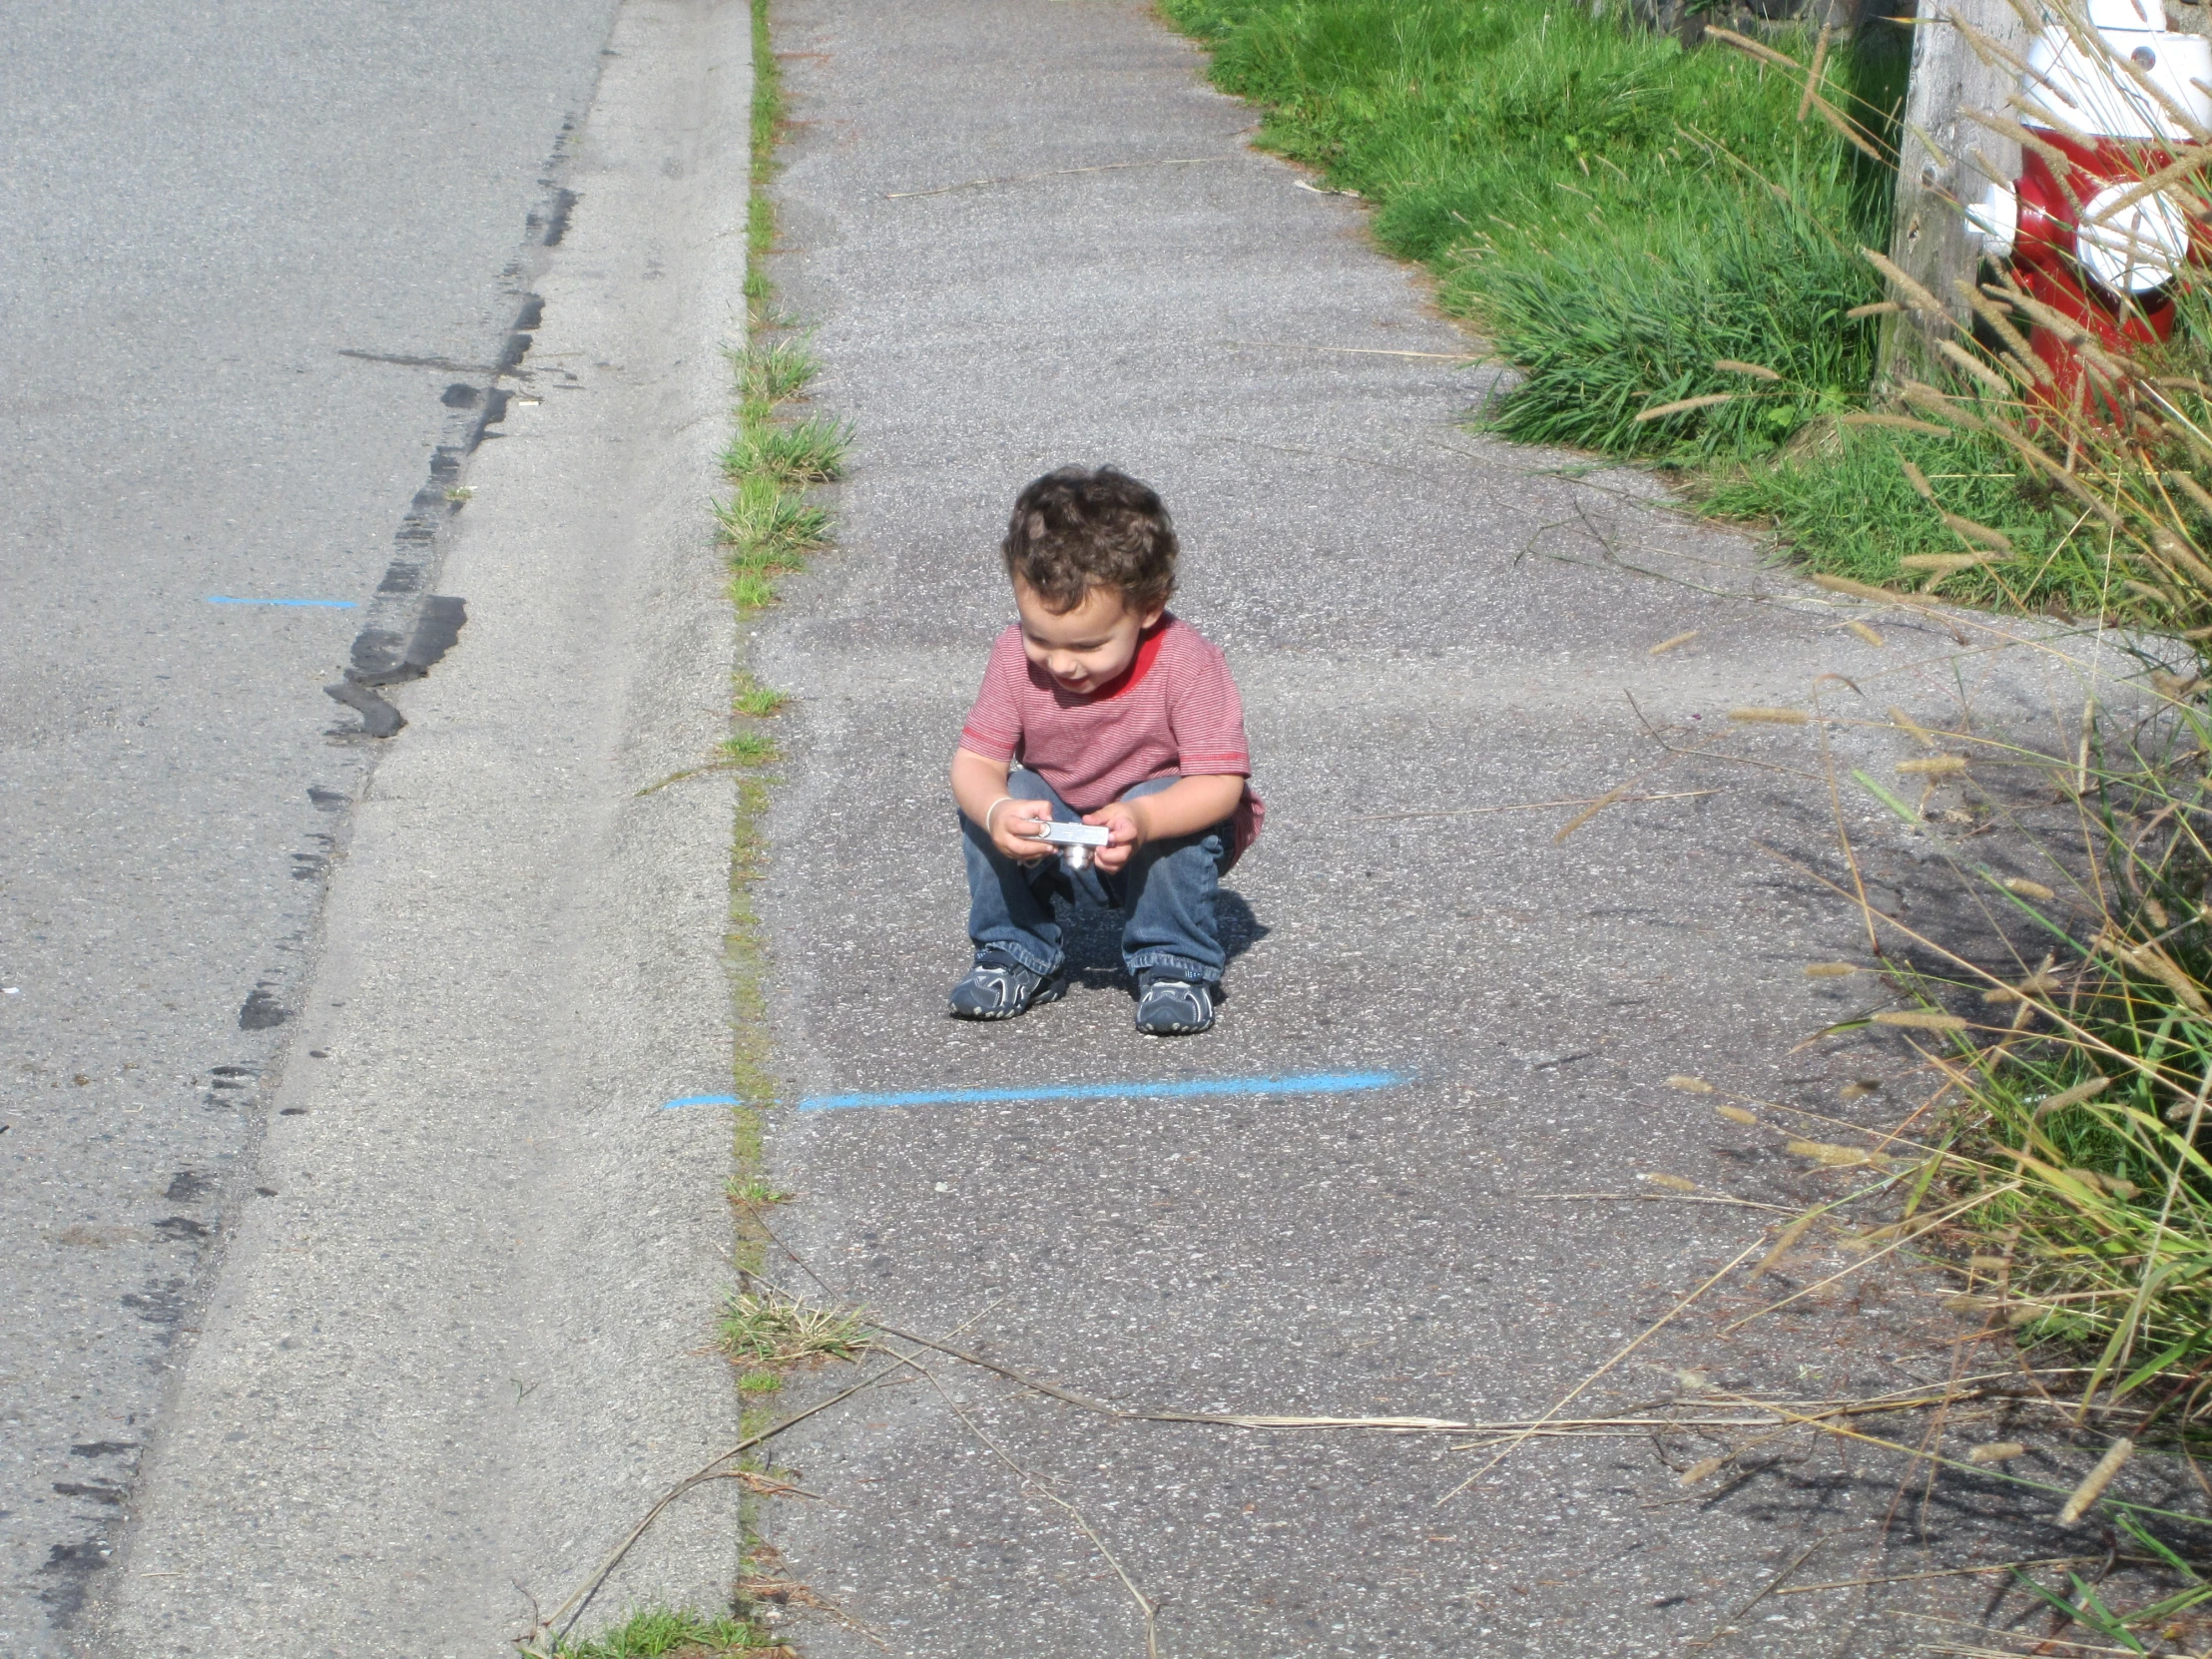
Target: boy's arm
[979,787]
[1182,809]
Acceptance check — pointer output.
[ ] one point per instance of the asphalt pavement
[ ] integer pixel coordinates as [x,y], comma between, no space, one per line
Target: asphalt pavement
[355,1279]
[245,251]
[1024,235]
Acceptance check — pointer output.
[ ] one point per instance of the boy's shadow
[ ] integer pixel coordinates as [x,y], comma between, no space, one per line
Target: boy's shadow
[1092,937]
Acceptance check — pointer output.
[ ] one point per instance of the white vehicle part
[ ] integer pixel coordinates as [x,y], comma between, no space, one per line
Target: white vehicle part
[2088,93]
[2135,248]
[1995,218]
[2134,16]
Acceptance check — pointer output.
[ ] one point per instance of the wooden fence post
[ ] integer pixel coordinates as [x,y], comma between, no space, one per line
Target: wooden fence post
[1929,240]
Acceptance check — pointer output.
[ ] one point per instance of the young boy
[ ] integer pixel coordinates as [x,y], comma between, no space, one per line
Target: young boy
[1117,711]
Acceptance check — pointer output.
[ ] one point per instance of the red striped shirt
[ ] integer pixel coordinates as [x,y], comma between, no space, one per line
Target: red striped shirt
[1175,714]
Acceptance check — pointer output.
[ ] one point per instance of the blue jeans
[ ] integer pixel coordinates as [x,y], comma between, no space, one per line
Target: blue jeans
[1166,890]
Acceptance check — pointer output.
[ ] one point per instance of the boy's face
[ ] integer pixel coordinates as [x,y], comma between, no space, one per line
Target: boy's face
[1085,649]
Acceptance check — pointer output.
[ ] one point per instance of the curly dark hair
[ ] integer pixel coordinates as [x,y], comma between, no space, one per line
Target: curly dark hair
[1078,528]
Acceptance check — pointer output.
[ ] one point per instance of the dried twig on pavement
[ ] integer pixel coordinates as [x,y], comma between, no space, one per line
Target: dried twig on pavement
[712,1470]
[1649,1332]
[1145,1605]
[1775,1583]
[1939,1572]
[1524,805]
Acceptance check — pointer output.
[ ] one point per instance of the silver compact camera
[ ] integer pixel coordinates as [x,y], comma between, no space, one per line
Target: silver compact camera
[1075,842]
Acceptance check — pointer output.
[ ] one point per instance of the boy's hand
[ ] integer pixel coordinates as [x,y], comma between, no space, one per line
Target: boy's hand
[1124,822]
[1014,828]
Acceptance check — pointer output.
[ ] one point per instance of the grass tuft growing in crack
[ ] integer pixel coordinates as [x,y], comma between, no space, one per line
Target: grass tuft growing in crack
[758,701]
[775,1331]
[661,1634]
[752,749]
[770,527]
[774,371]
[810,451]
[754,1190]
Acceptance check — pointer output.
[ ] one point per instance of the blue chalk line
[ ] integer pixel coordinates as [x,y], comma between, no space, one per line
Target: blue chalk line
[1334,1082]
[701,1100]
[303,604]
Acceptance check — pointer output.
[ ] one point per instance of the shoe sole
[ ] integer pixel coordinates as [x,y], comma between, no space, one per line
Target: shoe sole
[1045,994]
[1145,1031]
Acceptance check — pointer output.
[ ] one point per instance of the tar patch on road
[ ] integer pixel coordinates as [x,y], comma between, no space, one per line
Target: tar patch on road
[429,626]
[262,1011]
[72,1567]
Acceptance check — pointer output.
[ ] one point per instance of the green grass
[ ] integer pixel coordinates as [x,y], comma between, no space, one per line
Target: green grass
[774,371]
[766,114]
[758,701]
[809,451]
[2083,1604]
[768,372]
[1609,330]
[749,591]
[769,524]
[1635,227]
[661,1634]
[768,527]
[744,949]
[752,749]
[1608,208]
[1849,509]
[769,1330]
[2079,1194]
[2080,1137]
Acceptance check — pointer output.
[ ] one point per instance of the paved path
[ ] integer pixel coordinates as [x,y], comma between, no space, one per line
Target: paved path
[1027,234]
[457,1343]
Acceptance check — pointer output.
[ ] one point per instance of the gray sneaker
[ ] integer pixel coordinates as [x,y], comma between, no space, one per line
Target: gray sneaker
[997,987]
[1174,1007]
